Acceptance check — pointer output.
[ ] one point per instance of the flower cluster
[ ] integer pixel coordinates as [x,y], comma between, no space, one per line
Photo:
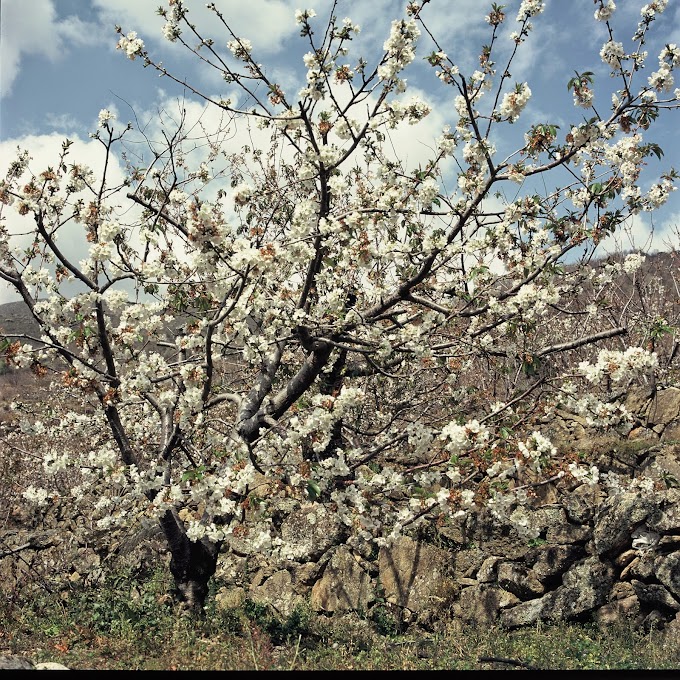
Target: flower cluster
[242,194]
[302,16]
[533,299]
[618,365]
[240,48]
[514,102]
[612,53]
[171,31]
[105,118]
[37,496]
[658,194]
[626,155]
[399,48]
[529,8]
[633,262]
[605,12]
[583,94]
[662,80]
[206,224]
[131,45]
[461,437]
[585,476]
[412,112]
[537,450]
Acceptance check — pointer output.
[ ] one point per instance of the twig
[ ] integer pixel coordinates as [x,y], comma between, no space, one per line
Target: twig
[574,344]
[554,478]
[297,649]
[252,649]
[512,662]
[11,551]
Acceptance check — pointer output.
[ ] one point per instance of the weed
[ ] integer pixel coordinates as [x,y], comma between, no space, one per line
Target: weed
[385,623]
[280,629]
[124,624]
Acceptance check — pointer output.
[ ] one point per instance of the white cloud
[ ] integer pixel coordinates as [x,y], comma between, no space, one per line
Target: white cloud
[65,122]
[44,151]
[271,28]
[668,237]
[264,22]
[267,23]
[37,31]
[644,233]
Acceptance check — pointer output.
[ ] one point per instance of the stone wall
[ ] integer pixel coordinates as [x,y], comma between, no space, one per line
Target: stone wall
[596,552]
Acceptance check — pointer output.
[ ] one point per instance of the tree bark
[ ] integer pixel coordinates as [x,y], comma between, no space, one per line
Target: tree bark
[192,563]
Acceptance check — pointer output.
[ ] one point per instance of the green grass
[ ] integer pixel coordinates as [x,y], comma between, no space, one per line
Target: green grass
[127,625]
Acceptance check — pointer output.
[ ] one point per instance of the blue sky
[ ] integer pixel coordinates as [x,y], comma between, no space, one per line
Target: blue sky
[59,65]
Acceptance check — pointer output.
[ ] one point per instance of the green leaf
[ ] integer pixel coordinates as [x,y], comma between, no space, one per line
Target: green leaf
[313,490]
[655,149]
[195,474]
[505,432]
[531,365]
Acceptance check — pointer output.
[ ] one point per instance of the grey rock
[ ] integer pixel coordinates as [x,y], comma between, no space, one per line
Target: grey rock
[469,561]
[641,568]
[667,543]
[618,611]
[655,595]
[344,586]
[519,580]
[310,531]
[566,534]
[553,560]
[481,604]
[667,570]
[15,663]
[584,588]
[671,432]
[230,598]
[654,621]
[626,557]
[488,570]
[582,502]
[638,399]
[664,407]
[667,520]
[526,613]
[278,592]
[415,575]
[616,520]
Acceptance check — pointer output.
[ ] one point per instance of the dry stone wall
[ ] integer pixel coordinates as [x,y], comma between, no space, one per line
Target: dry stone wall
[604,551]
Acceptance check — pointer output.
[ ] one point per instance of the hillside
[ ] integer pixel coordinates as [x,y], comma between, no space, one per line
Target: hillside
[16,319]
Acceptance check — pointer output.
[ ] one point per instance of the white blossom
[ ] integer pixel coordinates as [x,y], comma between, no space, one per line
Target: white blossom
[530,8]
[240,48]
[131,45]
[38,496]
[514,102]
[605,12]
[105,117]
[633,262]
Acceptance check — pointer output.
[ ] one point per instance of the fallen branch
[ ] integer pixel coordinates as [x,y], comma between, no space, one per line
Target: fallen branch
[11,551]
[512,662]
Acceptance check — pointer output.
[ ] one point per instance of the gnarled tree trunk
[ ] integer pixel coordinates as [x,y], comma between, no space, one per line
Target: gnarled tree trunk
[192,563]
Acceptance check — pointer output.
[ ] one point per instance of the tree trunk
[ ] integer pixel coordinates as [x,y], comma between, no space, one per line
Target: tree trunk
[192,563]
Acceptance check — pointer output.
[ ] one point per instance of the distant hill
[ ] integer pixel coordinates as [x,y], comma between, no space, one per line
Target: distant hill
[16,319]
